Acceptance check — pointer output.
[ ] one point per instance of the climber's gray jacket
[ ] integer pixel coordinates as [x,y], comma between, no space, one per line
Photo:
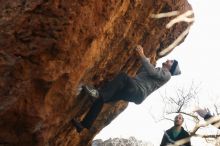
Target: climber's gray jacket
[149,78]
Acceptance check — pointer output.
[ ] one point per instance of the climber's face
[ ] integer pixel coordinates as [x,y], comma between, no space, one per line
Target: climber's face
[168,64]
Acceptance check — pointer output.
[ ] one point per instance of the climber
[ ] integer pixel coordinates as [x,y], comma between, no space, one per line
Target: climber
[123,87]
[175,133]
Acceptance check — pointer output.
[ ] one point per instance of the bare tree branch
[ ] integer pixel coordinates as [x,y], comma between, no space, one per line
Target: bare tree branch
[179,103]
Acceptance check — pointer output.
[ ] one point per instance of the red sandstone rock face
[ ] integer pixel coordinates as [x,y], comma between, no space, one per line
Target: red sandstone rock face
[49,47]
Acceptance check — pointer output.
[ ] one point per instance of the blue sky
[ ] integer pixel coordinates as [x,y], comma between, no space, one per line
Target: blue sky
[198,57]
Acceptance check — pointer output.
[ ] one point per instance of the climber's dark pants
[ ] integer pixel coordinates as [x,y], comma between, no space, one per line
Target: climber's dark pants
[120,88]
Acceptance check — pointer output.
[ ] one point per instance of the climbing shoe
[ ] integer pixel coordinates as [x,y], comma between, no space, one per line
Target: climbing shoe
[91,91]
[78,125]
